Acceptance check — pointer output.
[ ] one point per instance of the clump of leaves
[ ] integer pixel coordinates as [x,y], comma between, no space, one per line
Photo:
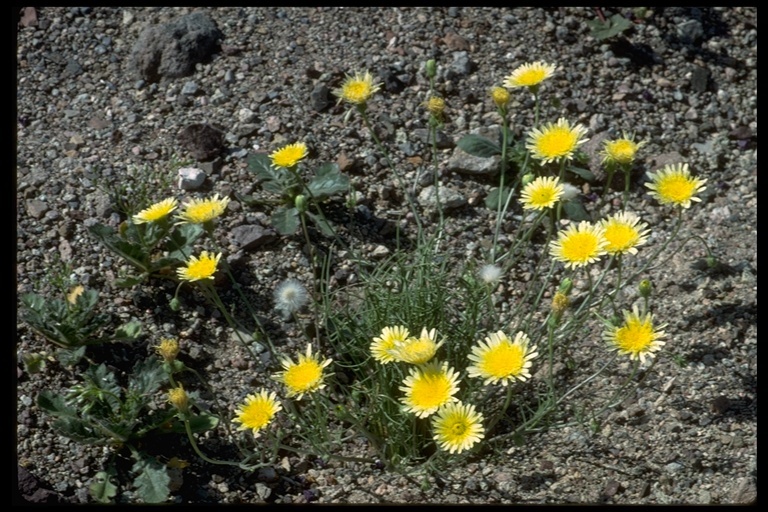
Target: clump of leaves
[297,197]
[602,29]
[73,324]
[99,411]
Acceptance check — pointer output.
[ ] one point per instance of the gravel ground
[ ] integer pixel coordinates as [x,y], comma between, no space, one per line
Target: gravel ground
[686,81]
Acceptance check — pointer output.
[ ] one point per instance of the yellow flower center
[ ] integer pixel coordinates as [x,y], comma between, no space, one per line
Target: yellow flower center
[304,376]
[621,151]
[504,360]
[532,76]
[201,269]
[620,237]
[257,415]
[580,247]
[418,351]
[203,211]
[459,428]
[544,195]
[676,188]
[289,155]
[636,336]
[430,391]
[558,141]
[357,91]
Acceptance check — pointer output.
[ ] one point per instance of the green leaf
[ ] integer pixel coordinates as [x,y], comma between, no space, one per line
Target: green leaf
[585,174]
[479,146]
[55,405]
[328,181]
[133,253]
[181,243]
[128,281]
[152,479]
[612,26]
[102,489]
[261,164]
[321,223]
[147,377]
[70,356]
[129,331]
[492,199]
[286,220]
[575,211]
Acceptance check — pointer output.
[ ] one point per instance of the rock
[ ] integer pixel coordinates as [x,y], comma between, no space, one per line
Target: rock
[455,42]
[33,490]
[699,79]
[172,49]
[462,162]
[462,65]
[191,178]
[319,97]
[28,17]
[203,141]
[690,31]
[37,208]
[449,198]
[443,141]
[250,236]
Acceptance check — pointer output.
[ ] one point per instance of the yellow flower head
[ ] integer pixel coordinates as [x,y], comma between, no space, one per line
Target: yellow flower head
[168,349]
[304,376]
[200,268]
[636,337]
[500,96]
[624,233]
[543,192]
[416,350]
[179,399]
[530,74]
[428,387]
[502,360]
[674,185]
[289,155]
[257,412]
[435,105]
[556,141]
[74,293]
[198,211]
[457,427]
[386,341]
[357,89]
[579,245]
[620,151]
[155,212]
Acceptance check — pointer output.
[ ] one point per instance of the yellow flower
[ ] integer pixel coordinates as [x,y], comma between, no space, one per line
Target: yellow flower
[636,336]
[500,96]
[198,211]
[457,427]
[620,151]
[674,185]
[357,89]
[179,399]
[386,341]
[168,349]
[155,212]
[289,155]
[502,360]
[435,105]
[200,268]
[303,376]
[530,74]
[543,192]
[257,412]
[579,245]
[624,233]
[74,293]
[416,350]
[428,387]
[556,141]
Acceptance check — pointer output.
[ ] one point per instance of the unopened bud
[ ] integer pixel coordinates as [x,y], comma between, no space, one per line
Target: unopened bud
[431,68]
[527,178]
[500,96]
[565,286]
[300,203]
[168,349]
[175,304]
[179,399]
[644,288]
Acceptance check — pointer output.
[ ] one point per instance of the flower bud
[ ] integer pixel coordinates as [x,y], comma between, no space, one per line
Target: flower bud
[527,178]
[644,288]
[300,202]
[168,349]
[566,285]
[431,68]
[179,399]
[175,304]
[500,96]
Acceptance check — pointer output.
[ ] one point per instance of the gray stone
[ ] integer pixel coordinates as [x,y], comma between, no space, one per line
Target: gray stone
[250,236]
[202,140]
[37,208]
[191,178]
[172,49]
[189,88]
[699,79]
[319,98]
[449,198]
[690,31]
[443,141]
[462,162]
[462,65]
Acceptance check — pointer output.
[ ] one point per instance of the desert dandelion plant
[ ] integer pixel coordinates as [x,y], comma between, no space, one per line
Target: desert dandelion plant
[304,376]
[530,74]
[556,141]
[156,212]
[200,268]
[624,233]
[501,360]
[257,411]
[357,89]
[457,427]
[383,344]
[199,211]
[417,350]
[428,387]
[674,185]
[636,337]
[579,245]
[543,192]
[290,155]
